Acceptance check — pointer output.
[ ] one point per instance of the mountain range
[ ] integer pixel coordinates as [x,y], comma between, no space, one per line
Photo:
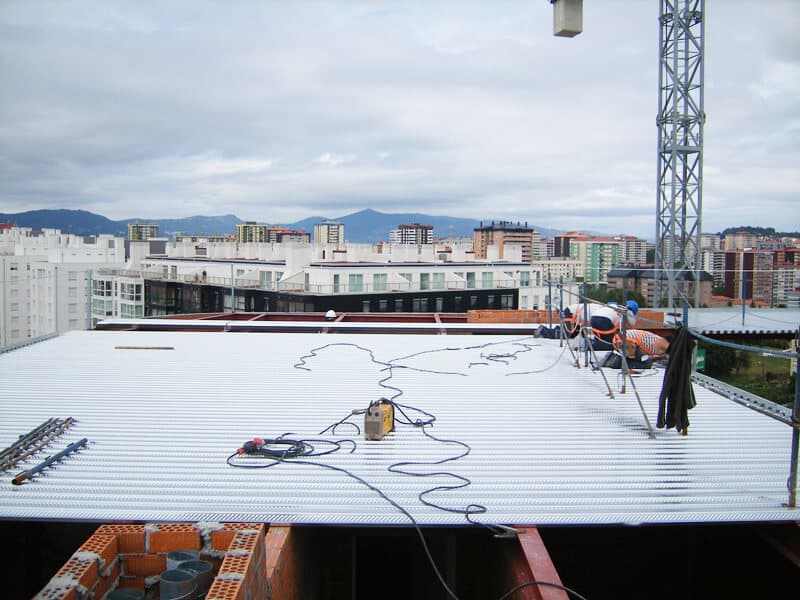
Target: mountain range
[365,226]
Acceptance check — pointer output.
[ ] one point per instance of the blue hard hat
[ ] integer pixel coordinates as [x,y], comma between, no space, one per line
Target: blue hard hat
[633,306]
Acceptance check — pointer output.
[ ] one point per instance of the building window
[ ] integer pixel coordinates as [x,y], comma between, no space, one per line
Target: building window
[438,281]
[383,305]
[470,279]
[473,302]
[458,304]
[102,287]
[398,305]
[336,283]
[506,301]
[490,301]
[130,291]
[420,305]
[306,278]
[355,282]
[72,308]
[379,282]
[72,275]
[524,278]
[487,279]
[439,305]
[424,281]
[365,306]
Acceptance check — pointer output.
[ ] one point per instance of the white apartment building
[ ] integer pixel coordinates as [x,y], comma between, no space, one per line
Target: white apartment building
[318,269]
[45,278]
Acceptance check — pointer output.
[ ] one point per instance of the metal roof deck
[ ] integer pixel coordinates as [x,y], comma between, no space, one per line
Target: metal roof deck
[730,321]
[548,447]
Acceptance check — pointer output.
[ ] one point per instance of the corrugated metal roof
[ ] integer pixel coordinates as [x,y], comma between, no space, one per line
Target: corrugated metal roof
[547,445]
[728,320]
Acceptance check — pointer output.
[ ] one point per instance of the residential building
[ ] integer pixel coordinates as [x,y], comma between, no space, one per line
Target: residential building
[710,241]
[329,232]
[633,250]
[412,233]
[250,231]
[545,249]
[643,281]
[748,275]
[504,234]
[191,277]
[739,240]
[45,280]
[142,231]
[713,262]
[785,276]
[598,255]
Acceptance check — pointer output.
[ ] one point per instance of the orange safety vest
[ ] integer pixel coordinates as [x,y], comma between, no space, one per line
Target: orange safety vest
[644,339]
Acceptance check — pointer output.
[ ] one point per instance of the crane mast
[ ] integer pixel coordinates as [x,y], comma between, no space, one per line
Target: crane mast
[680,122]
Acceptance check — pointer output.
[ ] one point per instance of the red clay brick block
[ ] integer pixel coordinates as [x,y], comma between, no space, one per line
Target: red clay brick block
[246,542]
[130,538]
[104,545]
[222,538]
[225,590]
[143,565]
[136,583]
[240,564]
[53,591]
[81,570]
[174,536]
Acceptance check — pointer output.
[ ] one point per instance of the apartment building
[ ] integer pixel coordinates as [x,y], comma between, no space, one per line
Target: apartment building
[739,240]
[412,233]
[633,250]
[329,232]
[142,231]
[748,275]
[597,254]
[643,281]
[504,234]
[217,277]
[251,232]
[46,278]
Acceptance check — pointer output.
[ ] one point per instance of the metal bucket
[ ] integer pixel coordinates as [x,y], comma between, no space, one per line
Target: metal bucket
[204,572]
[177,584]
[176,557]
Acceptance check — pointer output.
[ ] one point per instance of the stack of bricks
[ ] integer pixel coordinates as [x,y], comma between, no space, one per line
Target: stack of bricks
[242,573]
[646,319]
[510,316]
[281,563]
[134,556]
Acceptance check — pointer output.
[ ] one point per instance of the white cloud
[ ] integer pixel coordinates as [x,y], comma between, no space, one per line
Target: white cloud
[279,111]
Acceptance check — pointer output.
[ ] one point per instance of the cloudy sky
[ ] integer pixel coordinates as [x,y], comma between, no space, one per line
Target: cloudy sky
[276,111]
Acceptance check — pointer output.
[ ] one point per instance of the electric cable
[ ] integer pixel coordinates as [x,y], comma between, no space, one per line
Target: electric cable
[557,586]
[296,451]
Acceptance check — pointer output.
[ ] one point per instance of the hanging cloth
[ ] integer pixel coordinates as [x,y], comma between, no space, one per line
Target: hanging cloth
[677,393]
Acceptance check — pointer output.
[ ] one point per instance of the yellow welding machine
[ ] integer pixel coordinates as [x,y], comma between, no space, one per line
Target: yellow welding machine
[379,419]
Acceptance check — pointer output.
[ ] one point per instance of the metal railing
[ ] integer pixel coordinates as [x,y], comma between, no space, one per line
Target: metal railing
[326,289]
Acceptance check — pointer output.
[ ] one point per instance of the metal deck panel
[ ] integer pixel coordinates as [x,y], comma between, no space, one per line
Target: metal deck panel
[547,445]
[758,321]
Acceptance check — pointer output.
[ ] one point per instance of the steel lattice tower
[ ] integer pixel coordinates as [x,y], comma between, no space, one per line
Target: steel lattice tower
[680,152]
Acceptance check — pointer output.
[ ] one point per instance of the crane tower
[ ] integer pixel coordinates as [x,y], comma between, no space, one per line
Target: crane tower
[680,152]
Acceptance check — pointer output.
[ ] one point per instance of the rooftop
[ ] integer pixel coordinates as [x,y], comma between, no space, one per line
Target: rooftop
[162,410]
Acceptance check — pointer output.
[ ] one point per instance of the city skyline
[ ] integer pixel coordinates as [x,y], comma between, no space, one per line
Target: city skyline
[276,113]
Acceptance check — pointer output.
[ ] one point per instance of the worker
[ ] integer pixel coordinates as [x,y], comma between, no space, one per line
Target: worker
[642,345]
[604,320]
